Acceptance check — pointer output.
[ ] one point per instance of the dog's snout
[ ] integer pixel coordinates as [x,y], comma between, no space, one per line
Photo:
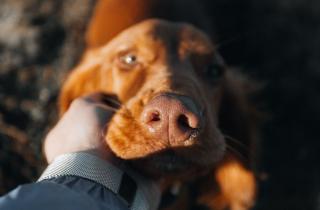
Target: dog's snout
[172,118]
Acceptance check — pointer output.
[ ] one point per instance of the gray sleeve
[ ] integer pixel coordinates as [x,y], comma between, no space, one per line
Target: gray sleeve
[82,181]
[67,192]
[138,192]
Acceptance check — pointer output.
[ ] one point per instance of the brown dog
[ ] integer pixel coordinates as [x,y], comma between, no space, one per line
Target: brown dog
[179,103]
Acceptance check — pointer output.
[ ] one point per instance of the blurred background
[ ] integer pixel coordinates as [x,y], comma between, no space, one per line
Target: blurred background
[276,42]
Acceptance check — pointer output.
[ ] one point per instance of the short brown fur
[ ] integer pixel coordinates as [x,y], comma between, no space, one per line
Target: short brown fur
[172,58]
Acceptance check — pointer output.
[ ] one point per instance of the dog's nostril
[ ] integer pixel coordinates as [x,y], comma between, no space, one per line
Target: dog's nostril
[188,121]
[154,117]
[170,119]
[183,122]
[151,117]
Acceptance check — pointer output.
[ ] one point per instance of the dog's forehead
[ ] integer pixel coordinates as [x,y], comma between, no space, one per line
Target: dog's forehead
[170,35]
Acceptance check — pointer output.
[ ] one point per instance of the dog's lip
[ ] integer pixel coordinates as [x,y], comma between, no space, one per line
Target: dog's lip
[170,161]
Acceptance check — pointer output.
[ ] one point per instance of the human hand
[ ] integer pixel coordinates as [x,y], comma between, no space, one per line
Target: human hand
[82,128]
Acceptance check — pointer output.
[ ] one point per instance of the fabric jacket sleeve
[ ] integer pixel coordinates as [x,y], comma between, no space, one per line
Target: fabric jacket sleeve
[65,192]
[80,181]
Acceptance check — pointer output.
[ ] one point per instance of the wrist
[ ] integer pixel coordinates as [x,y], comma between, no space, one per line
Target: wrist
[133,189]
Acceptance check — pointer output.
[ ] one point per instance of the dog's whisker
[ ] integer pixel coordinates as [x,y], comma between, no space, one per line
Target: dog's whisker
[237,148]
[236,141]
[237,153]
[237,38]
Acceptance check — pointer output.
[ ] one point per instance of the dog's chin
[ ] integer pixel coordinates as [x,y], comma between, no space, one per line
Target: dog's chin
[155,159]
[164,164]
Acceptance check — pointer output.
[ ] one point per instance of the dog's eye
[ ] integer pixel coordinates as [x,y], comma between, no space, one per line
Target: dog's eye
[214,71]
[128,60]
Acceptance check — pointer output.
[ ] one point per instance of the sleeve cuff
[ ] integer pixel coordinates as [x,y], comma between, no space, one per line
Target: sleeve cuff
[137,192]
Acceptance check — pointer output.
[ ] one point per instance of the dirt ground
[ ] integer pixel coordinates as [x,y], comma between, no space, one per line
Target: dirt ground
[274,41]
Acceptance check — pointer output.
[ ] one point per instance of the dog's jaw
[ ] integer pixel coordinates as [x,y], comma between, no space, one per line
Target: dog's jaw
[127,140]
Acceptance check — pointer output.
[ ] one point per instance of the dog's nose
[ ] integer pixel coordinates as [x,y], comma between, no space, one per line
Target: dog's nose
[172,118]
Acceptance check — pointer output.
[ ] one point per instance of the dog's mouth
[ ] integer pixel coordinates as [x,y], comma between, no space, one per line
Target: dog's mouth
[163,163]
[166,136]
[169,162]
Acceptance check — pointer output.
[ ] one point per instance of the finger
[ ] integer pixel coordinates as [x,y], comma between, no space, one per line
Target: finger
[105,99]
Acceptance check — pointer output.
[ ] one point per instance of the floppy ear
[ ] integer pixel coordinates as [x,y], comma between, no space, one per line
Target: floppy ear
[103,27]
[77,84]
[238,117]
[86,78]
[234,183]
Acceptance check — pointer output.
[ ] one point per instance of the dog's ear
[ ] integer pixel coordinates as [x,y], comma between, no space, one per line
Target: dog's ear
[103,27]
[86,78]
[239,121]
[79,82]
[239,118]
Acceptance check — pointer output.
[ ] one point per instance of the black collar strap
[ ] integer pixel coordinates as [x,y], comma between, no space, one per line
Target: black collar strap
[136,191]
